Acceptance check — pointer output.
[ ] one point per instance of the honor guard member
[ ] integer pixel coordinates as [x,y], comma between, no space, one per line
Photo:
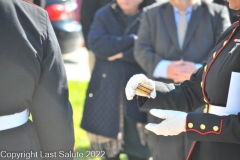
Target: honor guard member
[32,79]
[170,47]
[215,132]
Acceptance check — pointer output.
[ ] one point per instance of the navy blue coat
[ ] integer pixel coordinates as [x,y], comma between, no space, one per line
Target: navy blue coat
[109,35]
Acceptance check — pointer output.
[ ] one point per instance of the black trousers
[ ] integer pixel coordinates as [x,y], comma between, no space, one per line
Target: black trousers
[22,139]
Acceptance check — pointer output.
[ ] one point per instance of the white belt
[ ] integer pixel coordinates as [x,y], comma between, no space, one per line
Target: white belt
[217,110]
[13,120]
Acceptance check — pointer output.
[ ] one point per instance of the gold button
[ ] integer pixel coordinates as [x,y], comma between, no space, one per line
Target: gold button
[90,95]
[215,128]
[214,54]
[205,68]
[190,125]
[225,42]
[104,75]
[202,126]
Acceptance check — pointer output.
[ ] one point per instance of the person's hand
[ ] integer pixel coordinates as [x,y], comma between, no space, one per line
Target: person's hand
[133,83]
[180,71]
[173,124]
[173,71]
[115,57]
[187,68]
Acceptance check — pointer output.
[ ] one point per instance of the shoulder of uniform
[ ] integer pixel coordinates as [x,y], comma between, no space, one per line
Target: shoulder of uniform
[36,12]
[35,8]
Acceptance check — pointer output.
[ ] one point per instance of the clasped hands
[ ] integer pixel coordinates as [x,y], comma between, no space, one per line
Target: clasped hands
[174,122]
[180,71]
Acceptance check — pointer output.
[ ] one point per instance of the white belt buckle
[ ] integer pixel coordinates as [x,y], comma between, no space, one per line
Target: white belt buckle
[13,120]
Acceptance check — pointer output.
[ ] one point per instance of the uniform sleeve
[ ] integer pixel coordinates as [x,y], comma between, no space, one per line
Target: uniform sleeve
[104,44]
[186,96]
[209,127]
[50,108]
[143,50]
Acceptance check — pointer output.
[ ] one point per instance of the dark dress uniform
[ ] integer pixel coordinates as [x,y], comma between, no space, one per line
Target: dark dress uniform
[32,77]
[216,137]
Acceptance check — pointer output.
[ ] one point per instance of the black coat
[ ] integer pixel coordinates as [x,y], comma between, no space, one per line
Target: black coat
[220,139]
[33,77]
[109,35]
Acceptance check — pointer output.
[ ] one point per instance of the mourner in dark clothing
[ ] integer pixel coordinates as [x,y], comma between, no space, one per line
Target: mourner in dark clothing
[216,131]
[111,38]
[232,13]
[88,10]
[33,79]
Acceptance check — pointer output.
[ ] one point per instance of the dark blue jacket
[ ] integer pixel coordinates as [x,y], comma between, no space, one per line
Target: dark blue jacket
[111,34]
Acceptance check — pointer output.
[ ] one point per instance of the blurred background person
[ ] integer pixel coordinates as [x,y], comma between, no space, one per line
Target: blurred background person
[233,13]
[40,3]
[110,120]
[174,39]
[78,9]
[87,12]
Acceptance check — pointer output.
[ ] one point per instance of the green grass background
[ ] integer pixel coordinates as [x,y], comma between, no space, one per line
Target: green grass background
[77,92]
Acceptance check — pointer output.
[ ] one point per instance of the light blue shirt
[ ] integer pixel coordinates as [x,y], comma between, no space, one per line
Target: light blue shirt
[161,69]
[177,16]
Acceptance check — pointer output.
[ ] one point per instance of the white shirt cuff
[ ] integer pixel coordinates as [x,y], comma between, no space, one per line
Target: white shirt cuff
[161,69]
[198,65]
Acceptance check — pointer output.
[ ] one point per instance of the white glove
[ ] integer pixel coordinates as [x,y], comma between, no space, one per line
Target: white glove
[173,124]
[133,83]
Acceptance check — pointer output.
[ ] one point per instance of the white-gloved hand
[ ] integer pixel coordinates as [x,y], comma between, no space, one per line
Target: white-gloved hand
[173,124]
[133,83]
